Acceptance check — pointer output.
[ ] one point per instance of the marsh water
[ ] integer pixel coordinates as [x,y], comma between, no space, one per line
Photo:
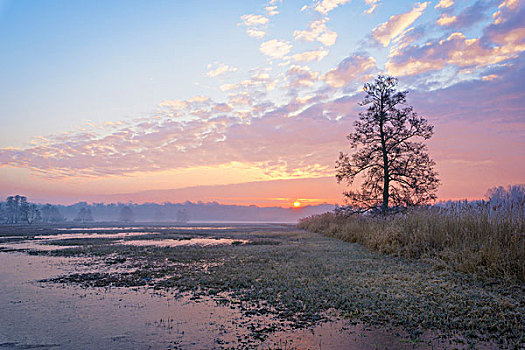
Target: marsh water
[38,312]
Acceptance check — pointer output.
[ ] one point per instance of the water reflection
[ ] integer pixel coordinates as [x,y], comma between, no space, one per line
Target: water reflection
[203,242]
[143,227]
[117,228]
[40,243]
[36,315]
[42,315]
[32,245]
[94,235]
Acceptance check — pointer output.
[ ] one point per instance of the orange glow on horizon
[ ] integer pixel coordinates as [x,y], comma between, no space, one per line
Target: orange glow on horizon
[296,204]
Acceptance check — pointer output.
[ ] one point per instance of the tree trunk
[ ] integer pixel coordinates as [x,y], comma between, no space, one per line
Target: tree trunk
[385,193]
[386,170]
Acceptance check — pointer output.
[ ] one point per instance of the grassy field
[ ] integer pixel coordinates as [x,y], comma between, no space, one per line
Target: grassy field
[297,278]
[481,238]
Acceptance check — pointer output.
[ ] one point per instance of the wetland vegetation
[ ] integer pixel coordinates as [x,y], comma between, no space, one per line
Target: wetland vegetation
[287,278]
[486,238]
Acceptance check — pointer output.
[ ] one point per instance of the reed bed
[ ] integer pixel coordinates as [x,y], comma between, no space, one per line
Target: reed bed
[484,237]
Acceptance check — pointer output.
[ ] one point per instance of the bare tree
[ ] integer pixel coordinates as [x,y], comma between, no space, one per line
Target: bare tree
[50,213]
[126,214]
[396,170]
[18,210]
[183,216]
[31,213]
[13,204]
[84,215]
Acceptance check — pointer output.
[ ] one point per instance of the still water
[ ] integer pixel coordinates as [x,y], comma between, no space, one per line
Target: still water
[49,316]
[43,315]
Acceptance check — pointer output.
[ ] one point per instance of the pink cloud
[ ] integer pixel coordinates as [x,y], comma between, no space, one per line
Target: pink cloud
[301,76]
[167,143]
[396,25]
[348,70]
[499,43]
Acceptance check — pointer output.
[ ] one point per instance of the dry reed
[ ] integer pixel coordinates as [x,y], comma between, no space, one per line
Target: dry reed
[486,237]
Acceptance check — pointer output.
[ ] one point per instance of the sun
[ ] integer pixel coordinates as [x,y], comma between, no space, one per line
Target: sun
[296,204]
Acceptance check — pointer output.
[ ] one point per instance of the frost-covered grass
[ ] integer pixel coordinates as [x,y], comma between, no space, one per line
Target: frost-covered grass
[483,237]
[293,278]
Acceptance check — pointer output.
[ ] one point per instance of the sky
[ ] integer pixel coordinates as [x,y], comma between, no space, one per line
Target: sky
[248,102]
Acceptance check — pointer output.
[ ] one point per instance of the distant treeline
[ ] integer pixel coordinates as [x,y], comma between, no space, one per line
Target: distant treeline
[17,209]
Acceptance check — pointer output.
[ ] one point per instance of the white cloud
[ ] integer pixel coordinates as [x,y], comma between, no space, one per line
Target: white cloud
[328,38]
[373,5]
[254,20]
[445,4]
[220,68]
[325,6]
[229,87]
[271,10]
[505,5]
[317,30]
[389,30]
[199,99]
[348,70]
[445,20]
[256,33]
[174,104]
[275,48]
[309,56]
[255,25]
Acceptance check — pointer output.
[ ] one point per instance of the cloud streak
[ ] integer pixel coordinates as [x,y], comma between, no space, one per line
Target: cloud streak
[396,25]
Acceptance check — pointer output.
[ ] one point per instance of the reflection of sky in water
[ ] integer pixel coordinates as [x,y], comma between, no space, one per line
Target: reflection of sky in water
[39,242]
[98,228]
[94,235]
[68,317]
[182,242]
[144,227]
[33,245]
[42,315]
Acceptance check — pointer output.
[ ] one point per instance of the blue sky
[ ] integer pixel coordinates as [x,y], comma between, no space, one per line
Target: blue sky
[67,62]
[99,96]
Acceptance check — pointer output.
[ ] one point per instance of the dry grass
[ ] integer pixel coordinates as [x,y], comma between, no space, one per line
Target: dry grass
[486,238]
[293,278]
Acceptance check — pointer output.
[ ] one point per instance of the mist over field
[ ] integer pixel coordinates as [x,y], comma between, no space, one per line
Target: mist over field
[176,212]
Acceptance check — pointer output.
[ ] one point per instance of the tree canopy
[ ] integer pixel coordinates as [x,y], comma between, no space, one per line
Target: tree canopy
[387,152]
